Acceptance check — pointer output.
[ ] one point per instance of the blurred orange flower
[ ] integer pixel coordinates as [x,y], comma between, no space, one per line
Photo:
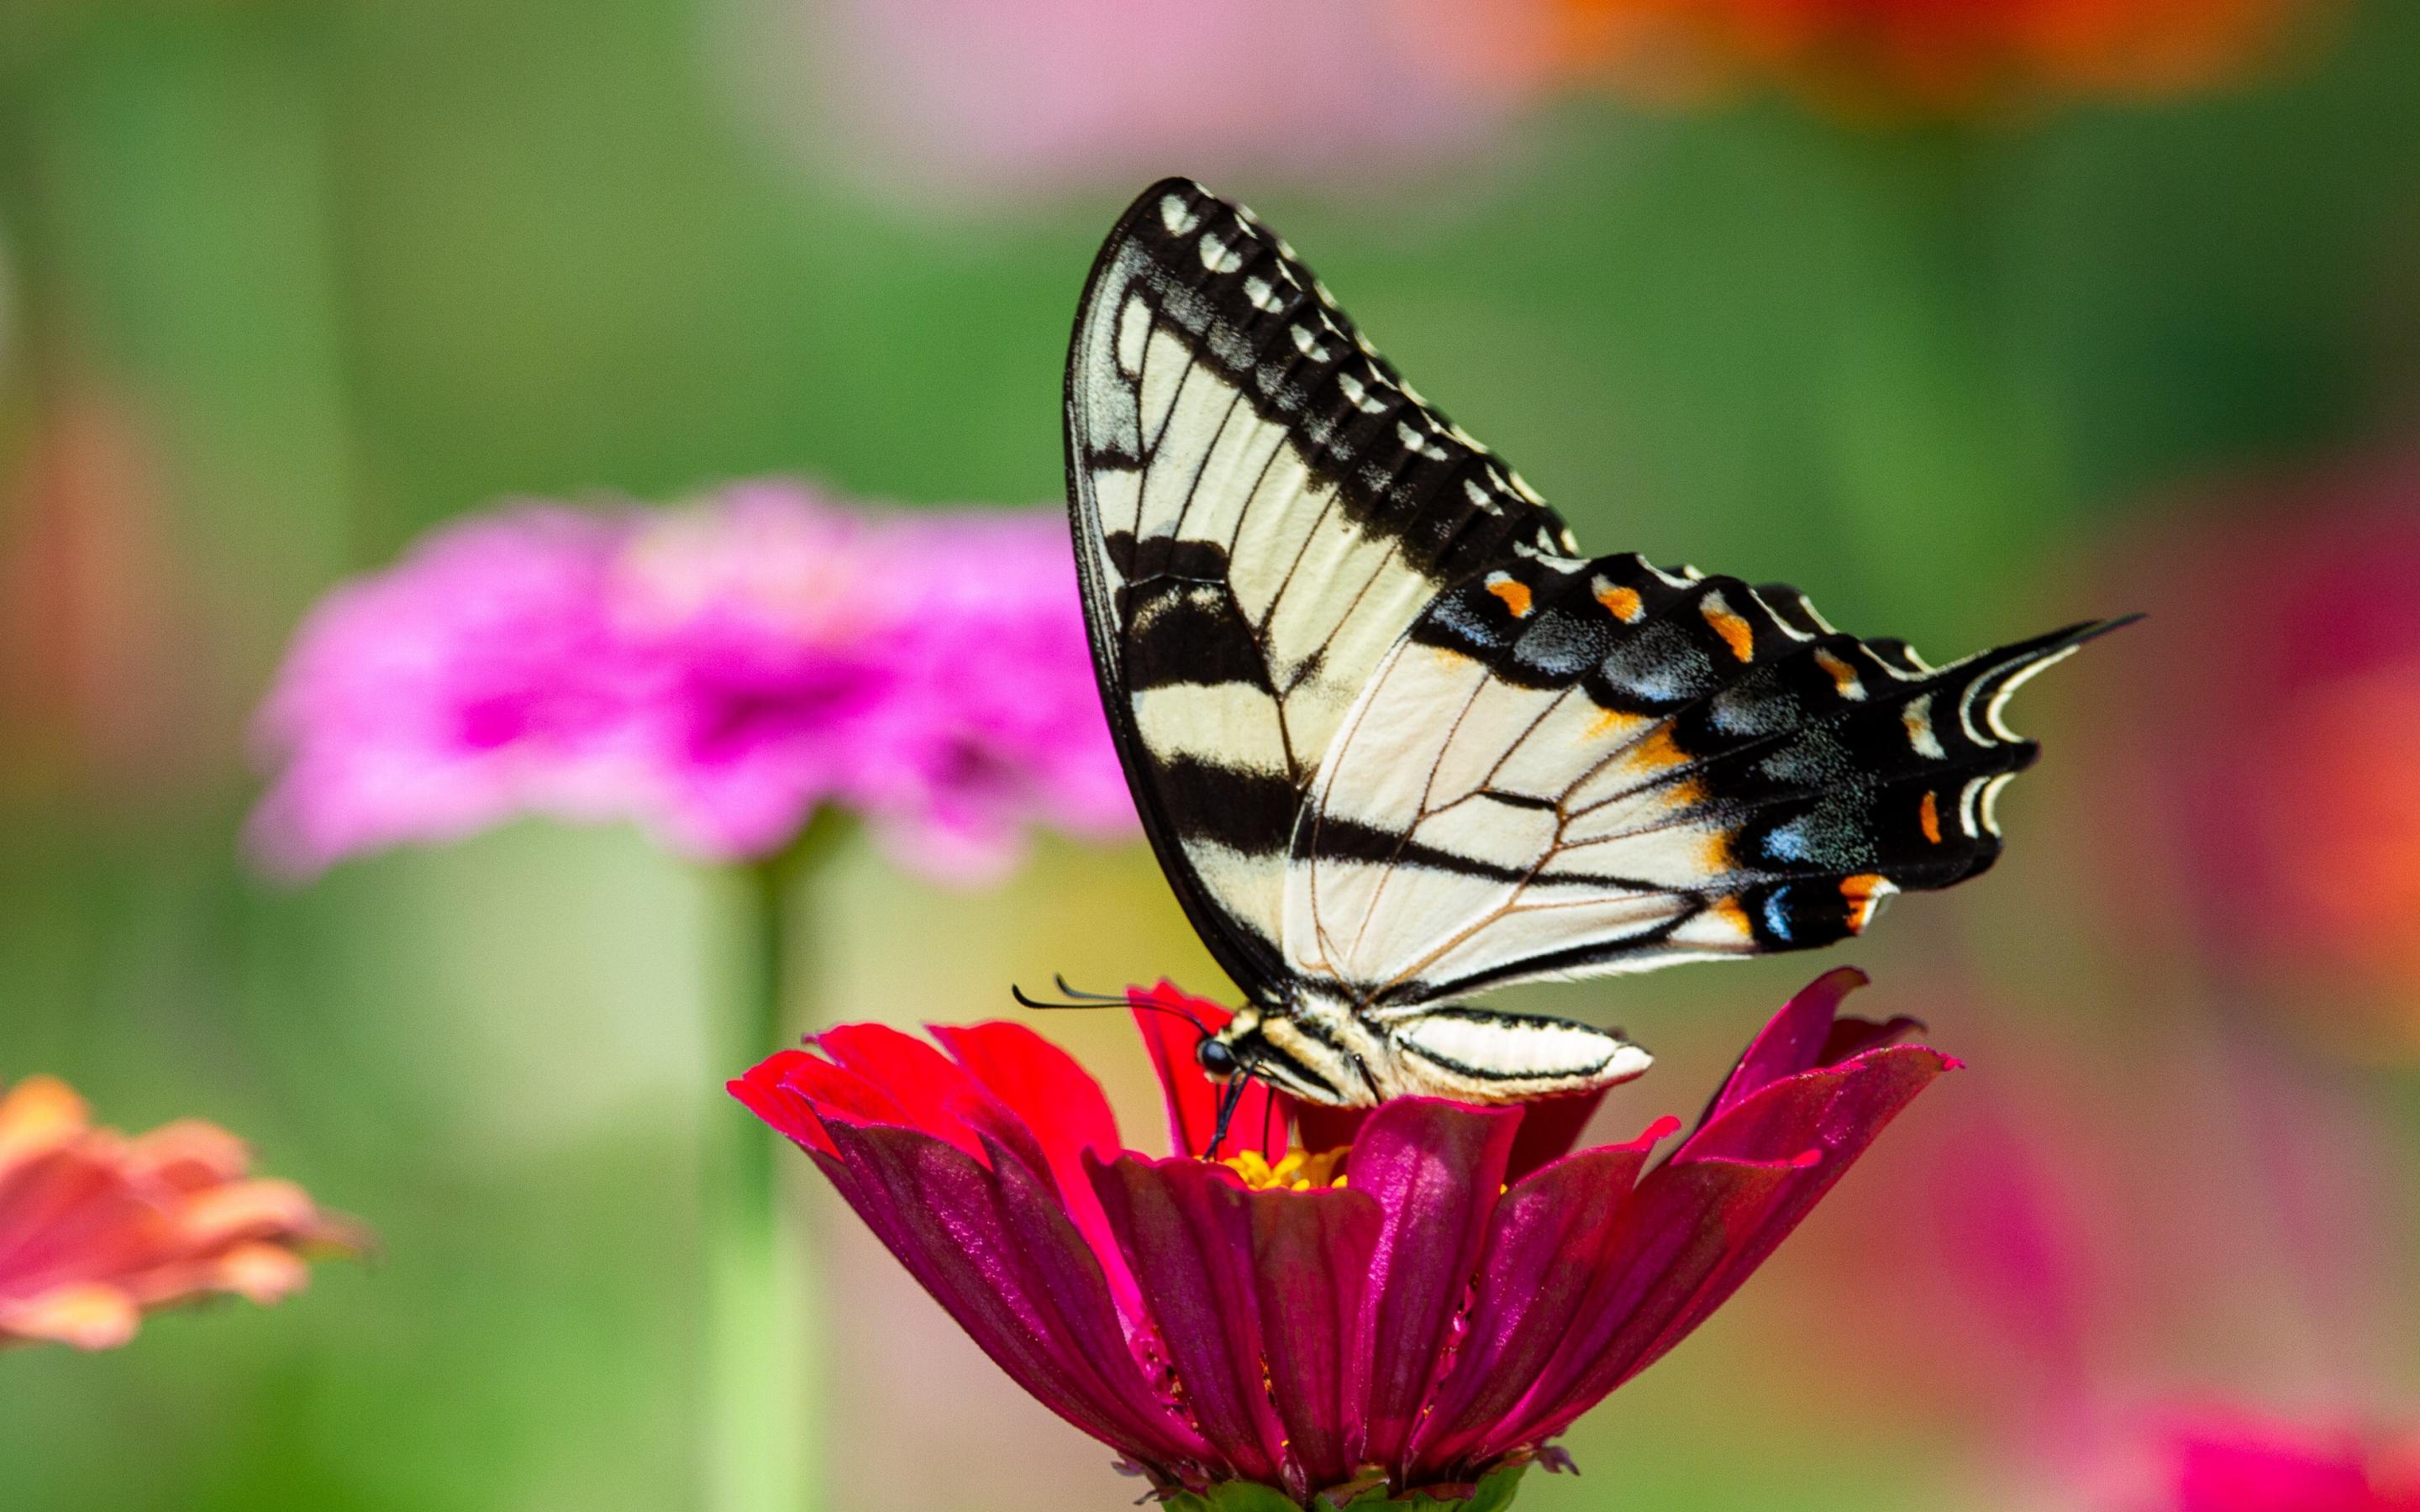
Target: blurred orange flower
[96,1228]
[1907,56]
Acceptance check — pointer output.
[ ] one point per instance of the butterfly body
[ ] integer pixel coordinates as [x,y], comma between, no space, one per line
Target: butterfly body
[1397,741]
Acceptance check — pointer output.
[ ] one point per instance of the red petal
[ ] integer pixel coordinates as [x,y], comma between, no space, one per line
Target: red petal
[1161,1014]
[796,1092]
[785,1112]
[1041,1084]
[760,1091]
[1049,1094]
[1436,1169]
[929,1091]
[995,1248]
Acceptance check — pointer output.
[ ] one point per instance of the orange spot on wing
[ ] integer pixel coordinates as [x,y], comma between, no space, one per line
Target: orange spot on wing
[1731,913]
[1844,676]
[1515,593]
[1861,892]
[1624,603]
[1614,722]
[1930,817]
[1659,750]
[1728,624]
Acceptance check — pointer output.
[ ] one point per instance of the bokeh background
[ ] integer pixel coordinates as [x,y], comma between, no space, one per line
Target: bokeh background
[2129,322]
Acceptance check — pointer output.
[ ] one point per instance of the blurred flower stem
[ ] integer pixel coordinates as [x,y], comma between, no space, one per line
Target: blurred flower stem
[1942,461]
[762,1418]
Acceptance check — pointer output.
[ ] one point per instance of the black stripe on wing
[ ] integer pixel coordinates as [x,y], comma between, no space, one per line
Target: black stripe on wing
[1254,312]
[1840,771]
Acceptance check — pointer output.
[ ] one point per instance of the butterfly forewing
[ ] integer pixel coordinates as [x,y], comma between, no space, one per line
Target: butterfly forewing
[1261,508]
[1573,766]
[1394,739]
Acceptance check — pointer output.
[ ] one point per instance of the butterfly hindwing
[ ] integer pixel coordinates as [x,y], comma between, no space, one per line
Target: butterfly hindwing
[1575,767]
[1261,507]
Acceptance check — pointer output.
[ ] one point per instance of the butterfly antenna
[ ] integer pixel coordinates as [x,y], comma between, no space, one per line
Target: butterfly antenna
[1018,993]
[1060,978]
[1098,1000]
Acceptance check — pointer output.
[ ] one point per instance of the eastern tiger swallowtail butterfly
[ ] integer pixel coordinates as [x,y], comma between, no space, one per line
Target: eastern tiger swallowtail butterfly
[1396,740]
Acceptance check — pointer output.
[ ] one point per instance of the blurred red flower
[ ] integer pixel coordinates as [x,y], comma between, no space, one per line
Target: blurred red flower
[97,1228]
[1913,57]
[2282,773]
[1419,1309]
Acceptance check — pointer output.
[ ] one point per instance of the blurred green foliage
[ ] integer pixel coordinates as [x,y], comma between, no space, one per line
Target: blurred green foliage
[355,267]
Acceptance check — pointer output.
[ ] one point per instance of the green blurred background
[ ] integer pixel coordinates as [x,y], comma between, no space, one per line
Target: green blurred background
[288,283]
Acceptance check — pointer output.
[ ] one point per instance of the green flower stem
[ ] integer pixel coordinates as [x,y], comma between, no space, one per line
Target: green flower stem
[762,1419]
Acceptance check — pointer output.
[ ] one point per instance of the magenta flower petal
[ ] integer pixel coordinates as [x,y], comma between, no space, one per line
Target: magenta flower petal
[1313,1251]
[1530,1293]
[1436,1169]
[1664,1246]
[1185,1227]
[993,1246]
[478,679]
[1796,1038]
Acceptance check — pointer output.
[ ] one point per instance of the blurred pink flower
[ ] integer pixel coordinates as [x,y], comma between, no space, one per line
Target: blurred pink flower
[990,99]
[478,679]
[714,673]
[97,1228]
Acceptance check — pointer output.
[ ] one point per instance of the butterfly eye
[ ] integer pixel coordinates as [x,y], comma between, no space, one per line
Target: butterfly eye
[1215,1058]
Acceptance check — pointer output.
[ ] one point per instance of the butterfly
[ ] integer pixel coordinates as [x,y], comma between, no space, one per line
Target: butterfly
[1396,740]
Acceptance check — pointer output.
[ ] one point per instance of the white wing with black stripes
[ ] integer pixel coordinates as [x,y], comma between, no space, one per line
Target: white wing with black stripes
[1261,508]
[1395,740]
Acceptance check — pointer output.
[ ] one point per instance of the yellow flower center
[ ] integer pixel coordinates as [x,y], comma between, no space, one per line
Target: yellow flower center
[1298,1170]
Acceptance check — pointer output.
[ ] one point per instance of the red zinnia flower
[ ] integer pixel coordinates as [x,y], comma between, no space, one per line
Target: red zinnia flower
[97,1228]
[1428,1304]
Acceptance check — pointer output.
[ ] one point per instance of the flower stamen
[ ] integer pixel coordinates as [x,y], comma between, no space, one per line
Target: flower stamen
[1297,1170]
